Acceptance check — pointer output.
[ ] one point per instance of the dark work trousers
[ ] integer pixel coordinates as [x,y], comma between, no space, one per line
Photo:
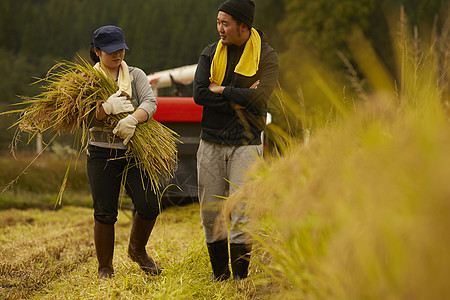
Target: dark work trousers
[105,169]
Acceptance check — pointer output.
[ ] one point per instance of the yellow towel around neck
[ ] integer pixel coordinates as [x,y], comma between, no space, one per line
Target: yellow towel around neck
[248,63]
[123,80]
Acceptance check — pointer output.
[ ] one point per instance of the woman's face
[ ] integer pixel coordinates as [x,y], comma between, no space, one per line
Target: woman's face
[111,60]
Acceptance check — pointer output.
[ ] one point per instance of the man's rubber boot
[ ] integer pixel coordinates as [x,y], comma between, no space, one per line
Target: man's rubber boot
[104,248]
[240,259]
[140,232]
[218,255]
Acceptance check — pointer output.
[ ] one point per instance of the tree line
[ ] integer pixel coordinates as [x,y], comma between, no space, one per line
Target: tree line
[163,34]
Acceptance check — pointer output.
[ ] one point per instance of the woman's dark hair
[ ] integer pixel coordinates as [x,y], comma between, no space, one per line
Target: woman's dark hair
[93,55]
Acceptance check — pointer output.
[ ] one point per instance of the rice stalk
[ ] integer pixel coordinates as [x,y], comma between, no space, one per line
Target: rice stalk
[72,93]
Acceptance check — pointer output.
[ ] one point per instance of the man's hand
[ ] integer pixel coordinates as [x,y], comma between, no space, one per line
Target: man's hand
[218,89]
[215,88]
[253,87]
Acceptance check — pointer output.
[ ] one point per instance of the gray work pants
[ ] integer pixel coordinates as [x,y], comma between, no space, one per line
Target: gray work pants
[221,169]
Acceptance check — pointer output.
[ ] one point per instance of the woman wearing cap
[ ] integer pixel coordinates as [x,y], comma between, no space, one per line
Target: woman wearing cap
[107,159]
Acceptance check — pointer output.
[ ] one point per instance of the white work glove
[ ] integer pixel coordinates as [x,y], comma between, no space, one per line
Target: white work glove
[125,128]
[117,104]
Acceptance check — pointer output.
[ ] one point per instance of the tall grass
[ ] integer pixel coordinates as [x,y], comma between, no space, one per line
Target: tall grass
[41,184]
[362,210]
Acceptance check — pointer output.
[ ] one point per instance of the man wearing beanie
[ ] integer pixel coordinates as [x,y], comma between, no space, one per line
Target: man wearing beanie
[234,79]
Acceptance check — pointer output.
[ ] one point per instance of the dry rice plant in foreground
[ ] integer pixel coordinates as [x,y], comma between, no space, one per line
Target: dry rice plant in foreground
[362,210]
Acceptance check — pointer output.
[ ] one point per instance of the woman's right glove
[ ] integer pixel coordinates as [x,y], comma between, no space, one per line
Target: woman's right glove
[117,104]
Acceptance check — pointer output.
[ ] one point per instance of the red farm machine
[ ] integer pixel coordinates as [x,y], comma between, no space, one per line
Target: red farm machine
[182,115]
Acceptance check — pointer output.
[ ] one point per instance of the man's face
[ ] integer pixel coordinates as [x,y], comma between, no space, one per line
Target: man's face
[230,32]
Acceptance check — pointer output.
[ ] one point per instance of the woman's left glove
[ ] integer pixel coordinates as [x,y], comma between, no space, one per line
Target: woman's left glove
[125,128]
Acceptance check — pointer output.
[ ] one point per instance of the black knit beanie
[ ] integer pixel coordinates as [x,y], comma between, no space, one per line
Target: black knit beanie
[243,10]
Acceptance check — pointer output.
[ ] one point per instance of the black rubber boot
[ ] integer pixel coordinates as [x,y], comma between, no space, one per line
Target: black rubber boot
[104,248]
[240,259]
[218,255]
[140,232]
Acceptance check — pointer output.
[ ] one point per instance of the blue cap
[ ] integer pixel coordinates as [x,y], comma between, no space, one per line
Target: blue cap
[243,10]
[109,39]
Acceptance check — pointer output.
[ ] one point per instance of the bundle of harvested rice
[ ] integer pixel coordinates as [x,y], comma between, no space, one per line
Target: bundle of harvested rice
[73,91]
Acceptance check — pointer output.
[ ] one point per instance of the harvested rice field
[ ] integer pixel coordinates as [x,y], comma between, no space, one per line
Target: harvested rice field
[49,254]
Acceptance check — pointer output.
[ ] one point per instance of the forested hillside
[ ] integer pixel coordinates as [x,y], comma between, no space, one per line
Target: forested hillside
[160,34]
[164,34]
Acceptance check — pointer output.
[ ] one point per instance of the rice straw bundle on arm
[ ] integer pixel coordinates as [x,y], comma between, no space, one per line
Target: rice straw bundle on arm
[73,92]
